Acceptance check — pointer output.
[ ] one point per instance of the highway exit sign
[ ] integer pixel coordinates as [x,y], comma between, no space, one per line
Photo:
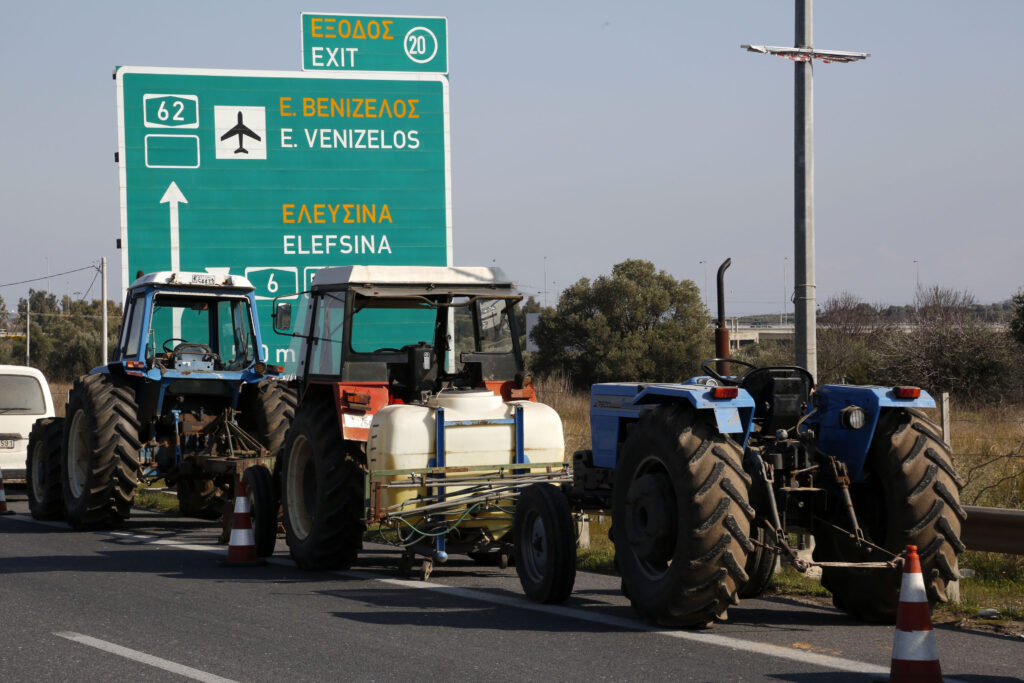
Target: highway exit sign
[362,42]
[274,175]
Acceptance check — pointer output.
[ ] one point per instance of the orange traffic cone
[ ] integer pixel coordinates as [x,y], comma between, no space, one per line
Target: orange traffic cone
[242,546]
[914,654]
[3,497]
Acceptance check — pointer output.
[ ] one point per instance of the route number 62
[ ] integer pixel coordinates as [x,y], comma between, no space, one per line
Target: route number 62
[171,111]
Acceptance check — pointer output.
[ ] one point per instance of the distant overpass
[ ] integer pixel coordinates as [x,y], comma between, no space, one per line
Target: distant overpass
[745,334]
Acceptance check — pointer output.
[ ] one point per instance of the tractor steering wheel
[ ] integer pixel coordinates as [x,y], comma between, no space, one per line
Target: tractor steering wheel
[706,366]
[169,348]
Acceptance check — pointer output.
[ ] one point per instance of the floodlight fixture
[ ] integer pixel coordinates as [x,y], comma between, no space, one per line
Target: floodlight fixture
[806,54]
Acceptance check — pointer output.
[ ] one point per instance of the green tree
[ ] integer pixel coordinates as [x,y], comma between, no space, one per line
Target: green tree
[949,349]
[1017,317]
[638,324]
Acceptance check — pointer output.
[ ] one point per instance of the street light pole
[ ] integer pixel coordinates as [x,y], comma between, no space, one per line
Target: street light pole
[785,292]
[805,342]
[705,264]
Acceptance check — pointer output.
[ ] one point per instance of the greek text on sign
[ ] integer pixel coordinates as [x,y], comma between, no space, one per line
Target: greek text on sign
[361,42]
[273,175]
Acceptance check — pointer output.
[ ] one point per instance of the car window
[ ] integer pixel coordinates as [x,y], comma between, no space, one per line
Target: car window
[21,395]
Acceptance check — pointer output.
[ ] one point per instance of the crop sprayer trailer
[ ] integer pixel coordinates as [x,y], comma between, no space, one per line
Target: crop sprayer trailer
[417,419]
[188,397]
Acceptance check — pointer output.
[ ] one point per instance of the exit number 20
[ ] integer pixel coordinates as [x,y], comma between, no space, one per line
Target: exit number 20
[171,111]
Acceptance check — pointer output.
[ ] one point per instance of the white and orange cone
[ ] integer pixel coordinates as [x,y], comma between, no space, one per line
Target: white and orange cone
[915,656]
[3,497]
[242,545]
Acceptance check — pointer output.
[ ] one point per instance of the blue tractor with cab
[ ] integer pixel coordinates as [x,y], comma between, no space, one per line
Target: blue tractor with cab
[188,398]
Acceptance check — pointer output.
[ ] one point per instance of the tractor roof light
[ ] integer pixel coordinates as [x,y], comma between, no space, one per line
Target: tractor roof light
[852,417]
[724,392]
[906,392]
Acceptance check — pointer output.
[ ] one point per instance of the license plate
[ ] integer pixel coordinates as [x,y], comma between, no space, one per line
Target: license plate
[6,443]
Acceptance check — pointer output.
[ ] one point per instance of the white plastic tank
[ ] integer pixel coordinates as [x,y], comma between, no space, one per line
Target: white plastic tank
[402,437]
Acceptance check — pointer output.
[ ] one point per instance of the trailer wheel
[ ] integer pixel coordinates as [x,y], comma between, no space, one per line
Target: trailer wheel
[911,497]
[322,491]
[42,469]
[761,564]
[545,544]
[263,508]
[100,464]
[682,520]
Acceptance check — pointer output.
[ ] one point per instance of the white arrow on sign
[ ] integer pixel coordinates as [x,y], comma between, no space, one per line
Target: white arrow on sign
[173,196]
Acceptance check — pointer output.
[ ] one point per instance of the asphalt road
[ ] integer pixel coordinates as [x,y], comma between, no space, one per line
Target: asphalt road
[150,602]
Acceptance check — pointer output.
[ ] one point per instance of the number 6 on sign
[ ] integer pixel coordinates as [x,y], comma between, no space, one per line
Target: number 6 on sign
[273,281]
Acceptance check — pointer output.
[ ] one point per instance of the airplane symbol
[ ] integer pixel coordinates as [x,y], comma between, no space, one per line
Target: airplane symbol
[240,130]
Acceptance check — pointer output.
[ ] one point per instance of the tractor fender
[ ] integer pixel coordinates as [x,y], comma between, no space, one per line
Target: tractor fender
[615,406]
[851,446]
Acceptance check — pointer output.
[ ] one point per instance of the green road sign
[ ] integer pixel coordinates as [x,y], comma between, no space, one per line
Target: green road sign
[360,42]
[274,175]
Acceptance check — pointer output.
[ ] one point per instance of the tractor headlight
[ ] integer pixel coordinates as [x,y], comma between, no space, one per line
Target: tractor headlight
[852,417]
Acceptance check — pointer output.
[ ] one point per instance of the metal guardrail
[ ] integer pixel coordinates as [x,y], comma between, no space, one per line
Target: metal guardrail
[994,530]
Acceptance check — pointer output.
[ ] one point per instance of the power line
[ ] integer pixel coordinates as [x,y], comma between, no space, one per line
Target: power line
[47,277]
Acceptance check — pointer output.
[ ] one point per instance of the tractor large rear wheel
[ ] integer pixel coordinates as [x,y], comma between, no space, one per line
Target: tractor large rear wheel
[681,516]
[761,563]
[911,497]
[267,410]
[322,491]
[100,464]
[42,469]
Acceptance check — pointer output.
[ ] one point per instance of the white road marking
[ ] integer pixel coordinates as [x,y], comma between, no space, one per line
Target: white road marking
[766,649]
[127,653]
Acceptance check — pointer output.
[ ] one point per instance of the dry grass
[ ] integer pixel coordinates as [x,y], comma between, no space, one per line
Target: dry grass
[988,451]
[59,391]
[574,408]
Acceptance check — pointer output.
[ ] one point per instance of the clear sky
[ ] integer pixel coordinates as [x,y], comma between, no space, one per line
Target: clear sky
[585,133]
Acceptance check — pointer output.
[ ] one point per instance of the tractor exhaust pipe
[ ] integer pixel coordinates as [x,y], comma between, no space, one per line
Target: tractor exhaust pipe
[722,332]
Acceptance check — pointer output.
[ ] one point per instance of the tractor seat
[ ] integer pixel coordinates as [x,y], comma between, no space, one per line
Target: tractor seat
[780,396]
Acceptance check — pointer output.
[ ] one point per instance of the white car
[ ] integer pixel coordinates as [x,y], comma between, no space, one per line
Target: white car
[24,398]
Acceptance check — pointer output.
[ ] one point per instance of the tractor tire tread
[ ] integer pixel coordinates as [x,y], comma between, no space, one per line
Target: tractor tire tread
[112,423]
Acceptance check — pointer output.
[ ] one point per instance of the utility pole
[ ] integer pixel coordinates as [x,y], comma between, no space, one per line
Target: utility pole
[103,307]
[805,336]
[28,327]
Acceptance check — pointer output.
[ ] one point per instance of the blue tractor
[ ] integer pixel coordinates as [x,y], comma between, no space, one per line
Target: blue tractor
[188,397]
[710,481]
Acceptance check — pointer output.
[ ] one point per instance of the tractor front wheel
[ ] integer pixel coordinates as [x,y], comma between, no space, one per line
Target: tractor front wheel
[682,517]
[322,491]
[911,496]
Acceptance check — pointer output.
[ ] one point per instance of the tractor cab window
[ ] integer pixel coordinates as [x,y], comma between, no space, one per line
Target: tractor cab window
[235,333]
[135,330]
[484,345]
[223,326]
[389,324]
[495,330]
[326,342]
